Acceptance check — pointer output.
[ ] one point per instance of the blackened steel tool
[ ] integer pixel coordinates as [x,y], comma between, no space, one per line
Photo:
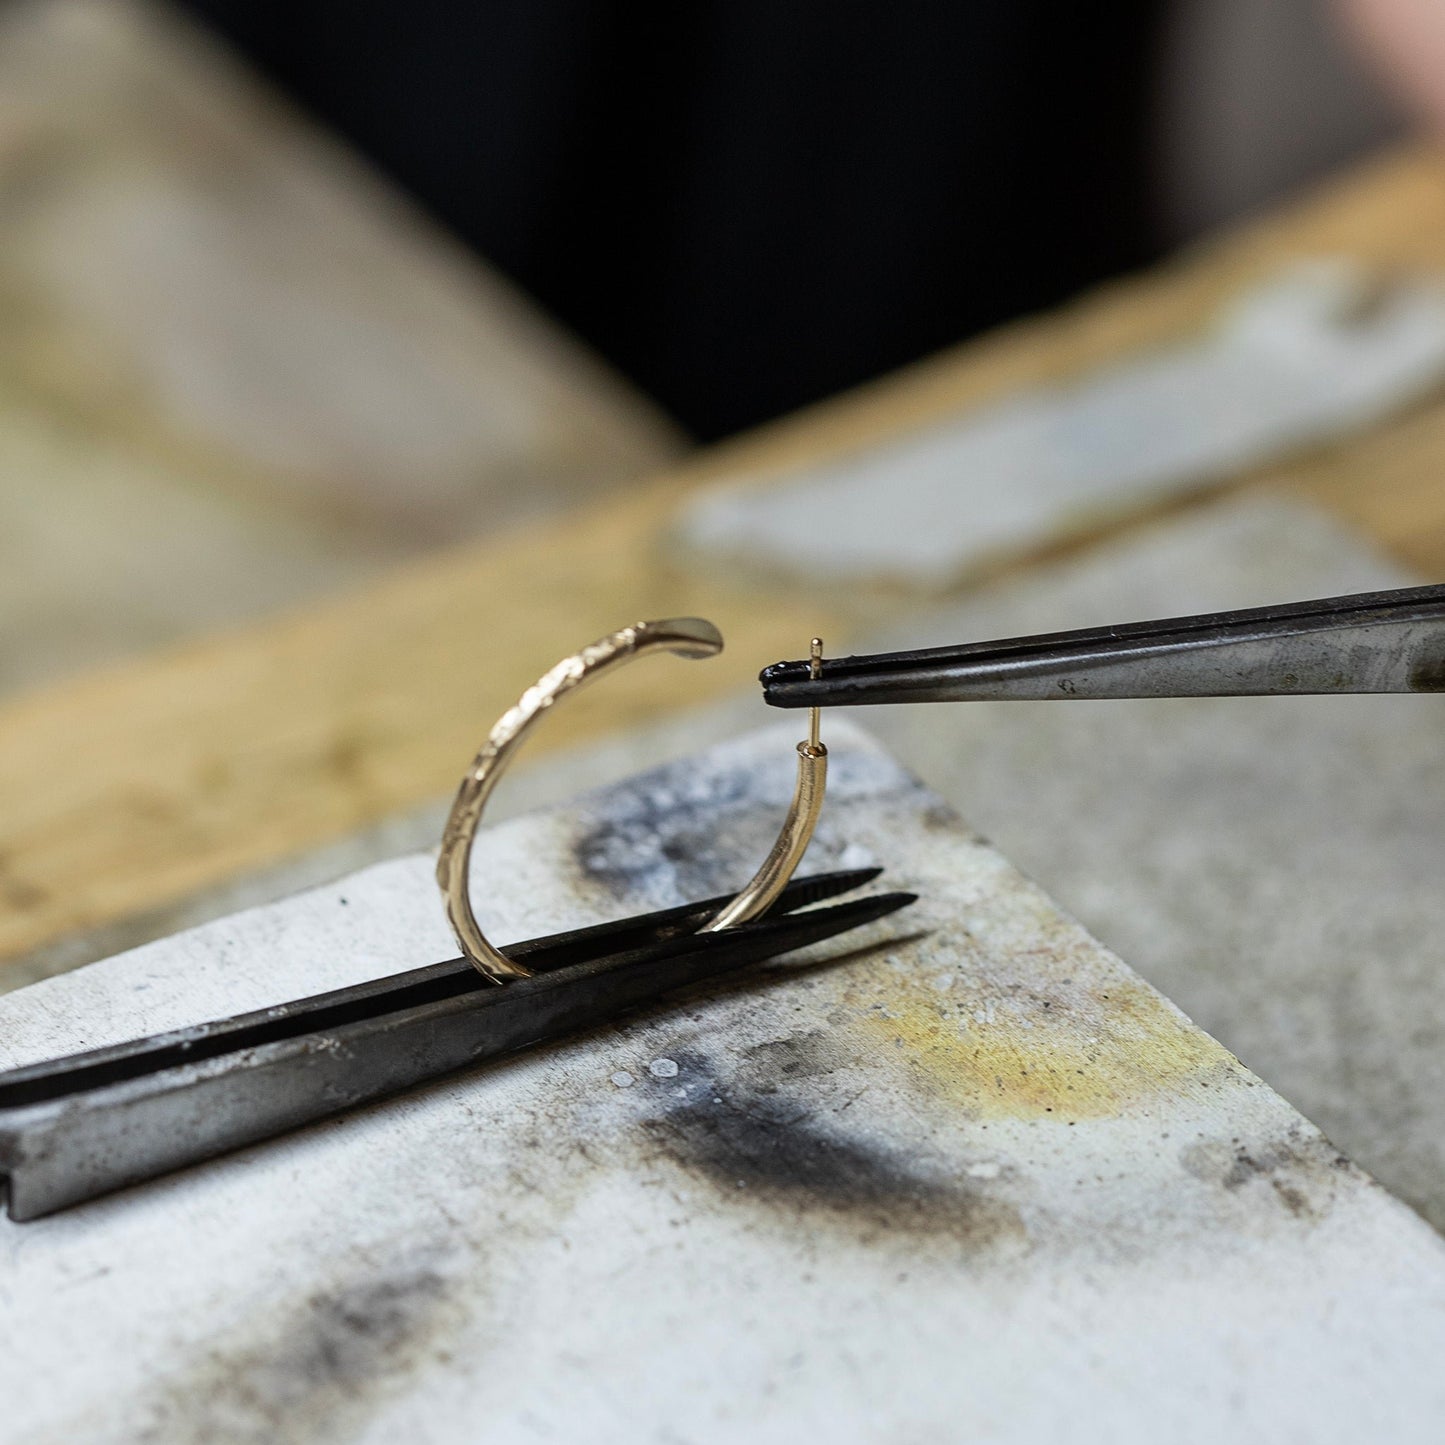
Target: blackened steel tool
[1371,642]
[77,1127]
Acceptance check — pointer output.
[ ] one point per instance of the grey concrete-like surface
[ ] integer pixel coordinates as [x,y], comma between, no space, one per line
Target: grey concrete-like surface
[962,1176]
[1275,866]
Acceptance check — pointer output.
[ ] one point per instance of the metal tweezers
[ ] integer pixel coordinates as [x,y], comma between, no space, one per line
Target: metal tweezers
[1371,642]
[81,1126]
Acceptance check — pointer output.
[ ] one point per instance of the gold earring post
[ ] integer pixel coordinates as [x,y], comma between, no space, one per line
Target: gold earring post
[763,888]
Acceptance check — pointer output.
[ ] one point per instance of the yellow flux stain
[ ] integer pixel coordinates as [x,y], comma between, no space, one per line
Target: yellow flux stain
[1092,1057]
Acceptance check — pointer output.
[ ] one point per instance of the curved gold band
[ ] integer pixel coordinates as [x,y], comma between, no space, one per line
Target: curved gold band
[762,889]
[692,637]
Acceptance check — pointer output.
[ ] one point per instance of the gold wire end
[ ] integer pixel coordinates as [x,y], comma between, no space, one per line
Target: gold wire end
[815,669]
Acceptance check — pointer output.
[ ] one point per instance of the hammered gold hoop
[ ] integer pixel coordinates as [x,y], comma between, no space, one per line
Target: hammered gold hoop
[692,637]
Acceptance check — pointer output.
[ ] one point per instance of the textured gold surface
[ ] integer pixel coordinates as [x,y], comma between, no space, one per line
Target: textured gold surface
[690,637]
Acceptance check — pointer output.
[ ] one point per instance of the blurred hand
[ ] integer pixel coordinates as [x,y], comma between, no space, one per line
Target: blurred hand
[1406,39]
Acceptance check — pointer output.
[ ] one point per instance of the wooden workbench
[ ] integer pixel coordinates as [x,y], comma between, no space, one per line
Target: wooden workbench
[126,790]
[238,371]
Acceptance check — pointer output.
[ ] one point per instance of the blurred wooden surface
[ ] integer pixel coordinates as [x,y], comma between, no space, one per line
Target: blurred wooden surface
[237,371]
[128,789]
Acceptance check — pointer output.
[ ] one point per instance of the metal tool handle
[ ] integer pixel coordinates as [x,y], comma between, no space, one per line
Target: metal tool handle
[1372,642]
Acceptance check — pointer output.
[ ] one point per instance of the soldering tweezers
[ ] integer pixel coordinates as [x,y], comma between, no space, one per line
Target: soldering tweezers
[77,1127]
[1371,642]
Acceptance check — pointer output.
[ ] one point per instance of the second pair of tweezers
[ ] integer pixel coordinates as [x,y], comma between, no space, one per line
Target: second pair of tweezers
[1370,642]
[77,1127]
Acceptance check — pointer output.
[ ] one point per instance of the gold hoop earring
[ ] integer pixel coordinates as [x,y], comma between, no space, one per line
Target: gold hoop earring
[691,637]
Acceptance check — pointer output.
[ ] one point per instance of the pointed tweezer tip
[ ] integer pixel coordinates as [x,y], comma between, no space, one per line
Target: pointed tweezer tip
[817,886]
[708,955]
[816,924]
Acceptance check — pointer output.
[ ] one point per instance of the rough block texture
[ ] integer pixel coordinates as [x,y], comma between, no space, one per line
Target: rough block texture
[972,1176]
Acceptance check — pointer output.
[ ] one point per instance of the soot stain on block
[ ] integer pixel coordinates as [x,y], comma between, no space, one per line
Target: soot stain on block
[314,1373]
[765,1147]
[1428,675]
[663,830]
[697,834]
[1301,1170]
[768,1066]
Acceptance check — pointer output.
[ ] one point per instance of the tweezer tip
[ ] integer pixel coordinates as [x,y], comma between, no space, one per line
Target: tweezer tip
[852,876]
[851,913]
[774,674]
[887,903]
[817,886]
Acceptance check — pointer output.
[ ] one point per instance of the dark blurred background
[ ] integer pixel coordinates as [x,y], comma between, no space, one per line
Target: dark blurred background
[747,206]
